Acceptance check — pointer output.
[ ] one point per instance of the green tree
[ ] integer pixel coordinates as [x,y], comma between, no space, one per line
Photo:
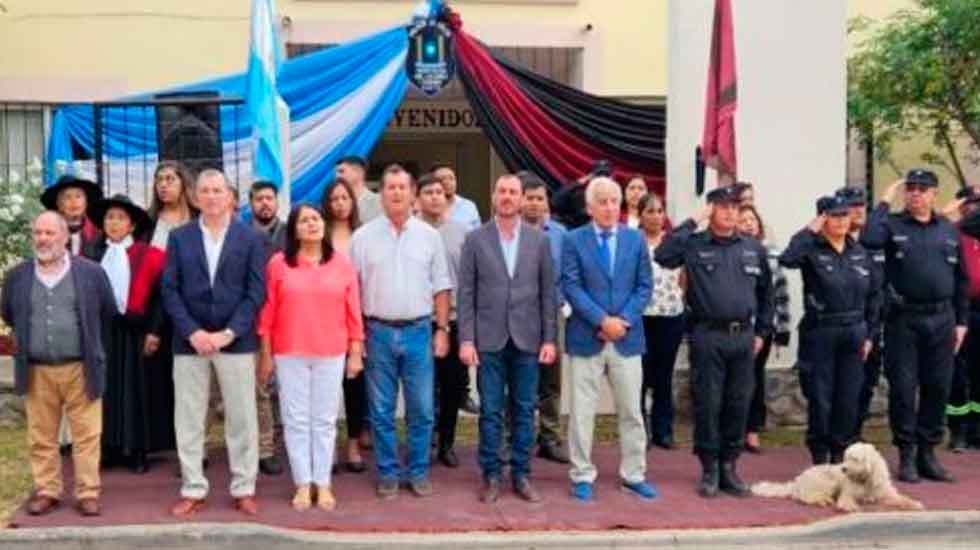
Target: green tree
[918,73]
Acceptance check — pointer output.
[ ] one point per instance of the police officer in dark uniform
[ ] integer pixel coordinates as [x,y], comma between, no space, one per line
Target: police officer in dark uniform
[926,293]
[729,293]
[858,203]
[841,311]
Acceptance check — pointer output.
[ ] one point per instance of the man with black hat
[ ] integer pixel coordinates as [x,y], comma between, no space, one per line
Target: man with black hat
[730,299]
[71,197]
[857,203]
[963,409]
[841,298]
[926,293]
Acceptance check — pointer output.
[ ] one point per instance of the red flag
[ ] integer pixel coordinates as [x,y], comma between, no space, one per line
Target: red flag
[718,140]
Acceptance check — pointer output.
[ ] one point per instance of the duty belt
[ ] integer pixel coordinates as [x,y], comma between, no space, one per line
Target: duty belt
[922,307]
[838,319]
[731,326]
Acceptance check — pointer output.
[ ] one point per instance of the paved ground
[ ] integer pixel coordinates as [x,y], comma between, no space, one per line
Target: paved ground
[144,500]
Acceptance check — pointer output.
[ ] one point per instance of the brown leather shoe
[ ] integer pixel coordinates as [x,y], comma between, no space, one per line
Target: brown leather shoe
[247,505]
[524,489]
[40,505]
[88,507]
[188,507]
[490,491]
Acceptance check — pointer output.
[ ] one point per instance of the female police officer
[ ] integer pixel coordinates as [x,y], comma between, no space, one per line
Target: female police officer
[841,297]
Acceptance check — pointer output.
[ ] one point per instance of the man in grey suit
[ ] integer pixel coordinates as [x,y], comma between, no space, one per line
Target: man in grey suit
[506,306]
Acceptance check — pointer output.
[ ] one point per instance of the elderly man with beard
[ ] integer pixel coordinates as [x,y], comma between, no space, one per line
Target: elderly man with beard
[58,306]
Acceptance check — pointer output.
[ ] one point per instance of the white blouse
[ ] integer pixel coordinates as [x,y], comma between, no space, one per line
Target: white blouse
[667,299]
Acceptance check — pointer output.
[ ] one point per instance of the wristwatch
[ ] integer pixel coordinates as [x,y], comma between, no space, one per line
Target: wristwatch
[444,328]
[229,333]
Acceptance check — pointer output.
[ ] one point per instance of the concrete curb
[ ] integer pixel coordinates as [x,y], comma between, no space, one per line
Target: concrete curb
[871,530]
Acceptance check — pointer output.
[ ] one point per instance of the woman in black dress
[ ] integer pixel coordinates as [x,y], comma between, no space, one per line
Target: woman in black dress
[132,425]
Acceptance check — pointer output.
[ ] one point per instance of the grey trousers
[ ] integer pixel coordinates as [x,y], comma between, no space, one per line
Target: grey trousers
[625,376]
[192,383]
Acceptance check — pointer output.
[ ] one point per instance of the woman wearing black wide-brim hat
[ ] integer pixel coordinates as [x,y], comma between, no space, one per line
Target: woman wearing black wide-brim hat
[72,197]
[132,426]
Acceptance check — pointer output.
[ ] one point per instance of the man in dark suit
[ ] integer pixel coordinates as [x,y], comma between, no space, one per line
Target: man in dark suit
[506,304]
[212,289]
[606,278]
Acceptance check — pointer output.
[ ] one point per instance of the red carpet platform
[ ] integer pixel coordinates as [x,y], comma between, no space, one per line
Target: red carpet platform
[130,499]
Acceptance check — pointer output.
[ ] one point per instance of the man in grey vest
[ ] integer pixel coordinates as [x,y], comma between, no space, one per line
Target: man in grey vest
[57,305]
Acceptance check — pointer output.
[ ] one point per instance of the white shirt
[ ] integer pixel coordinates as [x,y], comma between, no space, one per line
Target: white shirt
[509,248]
[213,246]
[161,234]
[368,206]
[464,212]
[399,272]
[50,280]
[667,299]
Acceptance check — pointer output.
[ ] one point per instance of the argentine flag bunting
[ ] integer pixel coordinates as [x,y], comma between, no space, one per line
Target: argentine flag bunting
[262,100]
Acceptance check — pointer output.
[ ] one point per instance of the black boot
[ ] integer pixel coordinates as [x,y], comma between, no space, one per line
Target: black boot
[907,470]
[957,437]
[708,487]
[930,468]
[730,482]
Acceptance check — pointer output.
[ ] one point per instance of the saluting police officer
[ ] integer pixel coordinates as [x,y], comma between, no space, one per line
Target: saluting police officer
[841,311]
[729,293]
[927,314]
[857,203]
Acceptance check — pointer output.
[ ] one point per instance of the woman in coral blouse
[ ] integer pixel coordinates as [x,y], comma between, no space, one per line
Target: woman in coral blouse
[312,334]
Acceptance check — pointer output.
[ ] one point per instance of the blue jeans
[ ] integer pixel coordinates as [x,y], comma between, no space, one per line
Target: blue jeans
[405,354]
[508,373]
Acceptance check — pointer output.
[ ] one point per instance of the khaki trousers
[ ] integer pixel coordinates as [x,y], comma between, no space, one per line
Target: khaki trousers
[53,390]
[625,376]
[265,408]
[192,384]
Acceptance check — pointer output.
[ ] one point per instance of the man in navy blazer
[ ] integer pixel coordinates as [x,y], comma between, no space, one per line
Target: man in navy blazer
[607,280]
[212,289]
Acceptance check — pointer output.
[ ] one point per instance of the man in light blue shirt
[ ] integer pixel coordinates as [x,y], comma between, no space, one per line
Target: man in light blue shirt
[535,212]
[461,210]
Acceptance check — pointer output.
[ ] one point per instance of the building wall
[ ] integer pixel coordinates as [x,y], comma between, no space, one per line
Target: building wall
[64,49]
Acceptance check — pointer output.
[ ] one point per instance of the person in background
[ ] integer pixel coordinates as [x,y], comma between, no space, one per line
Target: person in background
[450,372]
[928,301]
[236,203]
[131,428]
[171,205]
[663,326]
[72,197]
[636,189]
[309,280]
[461,209]
[963,409]
[730,299]
[263,201]
[606,279]
[841,295]
[569,201]
[352,170]
[858,208]
[536,213]
[58,305]
[342,215]
[750,224]
[213,289]
[404,277]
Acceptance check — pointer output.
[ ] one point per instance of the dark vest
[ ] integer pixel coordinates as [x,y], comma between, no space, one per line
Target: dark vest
[55,334]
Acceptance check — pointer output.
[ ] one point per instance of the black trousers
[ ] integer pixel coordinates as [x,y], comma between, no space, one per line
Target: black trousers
[872,374]
[963,409]
[451,380]
[721,383]
[757,408]
[918,364]
[663,336]
[831,377]
[355,405]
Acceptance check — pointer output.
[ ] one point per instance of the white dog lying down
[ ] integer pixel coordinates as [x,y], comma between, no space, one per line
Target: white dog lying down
[862,478]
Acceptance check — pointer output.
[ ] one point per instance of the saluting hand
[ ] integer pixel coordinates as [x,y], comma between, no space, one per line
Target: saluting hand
[892,192]
[816,225]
